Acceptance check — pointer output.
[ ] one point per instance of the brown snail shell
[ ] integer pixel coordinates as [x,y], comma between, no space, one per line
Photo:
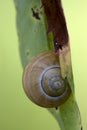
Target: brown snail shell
[43,83]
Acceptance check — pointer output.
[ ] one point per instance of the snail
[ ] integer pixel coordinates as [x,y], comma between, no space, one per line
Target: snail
[43,83]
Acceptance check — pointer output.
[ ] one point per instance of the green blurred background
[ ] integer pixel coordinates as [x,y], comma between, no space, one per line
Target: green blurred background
[16,111]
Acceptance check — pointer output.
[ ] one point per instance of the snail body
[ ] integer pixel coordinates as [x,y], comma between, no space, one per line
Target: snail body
[43,83]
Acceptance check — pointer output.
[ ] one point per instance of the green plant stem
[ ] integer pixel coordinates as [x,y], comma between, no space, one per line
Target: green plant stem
[33,39]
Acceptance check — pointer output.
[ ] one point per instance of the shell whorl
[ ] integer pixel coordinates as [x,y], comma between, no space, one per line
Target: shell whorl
[43,83]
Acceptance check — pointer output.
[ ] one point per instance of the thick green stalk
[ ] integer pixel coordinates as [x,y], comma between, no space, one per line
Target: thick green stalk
[33,39]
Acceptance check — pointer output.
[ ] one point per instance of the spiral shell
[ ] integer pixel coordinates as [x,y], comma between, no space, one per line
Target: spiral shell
[43,83]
